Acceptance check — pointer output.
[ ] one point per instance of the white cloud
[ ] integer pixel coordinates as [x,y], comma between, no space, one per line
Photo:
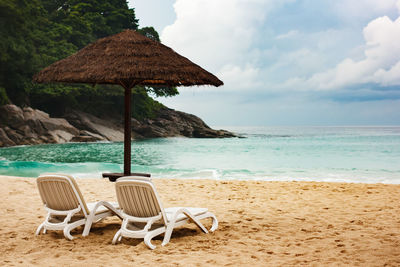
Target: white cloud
[239,78]
[288,35]
[260,58]
[381,62]
[217,34]
[351,9]
[389,77]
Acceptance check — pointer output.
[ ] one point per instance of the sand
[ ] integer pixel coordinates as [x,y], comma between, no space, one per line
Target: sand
[260,224]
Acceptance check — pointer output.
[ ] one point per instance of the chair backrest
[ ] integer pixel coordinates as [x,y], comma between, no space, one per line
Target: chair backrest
[138,198]
[61,192]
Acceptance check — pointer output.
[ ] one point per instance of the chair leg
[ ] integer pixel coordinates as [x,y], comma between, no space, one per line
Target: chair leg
[171,224]
[92,216]
[117,237]
[88,225]
[214,225]
[67,230]
[168,233]
[150,235]
[196,221]
[214,222]
[39,229]
[67,233]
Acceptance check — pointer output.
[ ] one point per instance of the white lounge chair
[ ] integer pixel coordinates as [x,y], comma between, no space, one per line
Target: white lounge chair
[144,216]
[66,208]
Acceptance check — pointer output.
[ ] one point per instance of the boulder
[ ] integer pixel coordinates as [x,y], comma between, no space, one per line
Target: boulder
[31,126]
[5,140]
[11,115]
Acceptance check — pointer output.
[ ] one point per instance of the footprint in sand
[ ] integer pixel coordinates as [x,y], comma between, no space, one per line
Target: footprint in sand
[15,192]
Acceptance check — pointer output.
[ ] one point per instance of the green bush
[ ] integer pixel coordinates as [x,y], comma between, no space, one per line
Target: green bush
[143,106]
[3,97]
[99,100]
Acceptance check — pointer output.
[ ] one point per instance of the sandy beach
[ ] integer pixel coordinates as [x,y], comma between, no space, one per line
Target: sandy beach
[260,224]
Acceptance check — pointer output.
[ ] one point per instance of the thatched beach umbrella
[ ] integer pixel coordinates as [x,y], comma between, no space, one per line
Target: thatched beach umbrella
[128,59]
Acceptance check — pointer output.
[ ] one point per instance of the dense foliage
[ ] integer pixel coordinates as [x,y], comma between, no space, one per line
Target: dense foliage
[36,33]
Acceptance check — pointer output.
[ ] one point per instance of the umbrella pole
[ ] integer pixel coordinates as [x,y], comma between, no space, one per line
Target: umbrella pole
[127,140]
[128,131]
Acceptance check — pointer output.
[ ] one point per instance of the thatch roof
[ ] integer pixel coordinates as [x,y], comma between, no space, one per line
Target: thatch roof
[127,58]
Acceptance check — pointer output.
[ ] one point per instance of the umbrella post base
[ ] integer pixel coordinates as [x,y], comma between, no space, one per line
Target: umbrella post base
[114,176]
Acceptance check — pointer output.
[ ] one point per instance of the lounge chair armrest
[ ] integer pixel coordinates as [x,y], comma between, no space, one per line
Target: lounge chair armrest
[108,205]
[171,224]
[146,227]
[92,215]
[67,213]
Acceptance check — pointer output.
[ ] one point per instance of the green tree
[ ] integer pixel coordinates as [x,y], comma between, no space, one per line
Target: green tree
[28,42]
[3,97]
[17,50]
[36,33]
[158,91]
[91,19]
[150,32]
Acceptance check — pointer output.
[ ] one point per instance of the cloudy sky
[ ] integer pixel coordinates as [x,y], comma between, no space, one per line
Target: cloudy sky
[285,62]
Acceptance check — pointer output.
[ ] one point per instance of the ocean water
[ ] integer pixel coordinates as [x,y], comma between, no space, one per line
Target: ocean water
[339,154]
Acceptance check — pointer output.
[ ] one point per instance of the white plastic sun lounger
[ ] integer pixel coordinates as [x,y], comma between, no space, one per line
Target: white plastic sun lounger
[144,216]
[66,208]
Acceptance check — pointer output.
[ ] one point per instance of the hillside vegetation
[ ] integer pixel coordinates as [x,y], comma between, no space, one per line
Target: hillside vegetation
[36,33]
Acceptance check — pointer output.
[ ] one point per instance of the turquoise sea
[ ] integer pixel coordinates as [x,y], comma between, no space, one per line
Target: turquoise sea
[339,154]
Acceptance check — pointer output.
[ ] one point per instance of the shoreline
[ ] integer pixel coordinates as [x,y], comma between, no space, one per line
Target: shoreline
[260,223]
[252,179]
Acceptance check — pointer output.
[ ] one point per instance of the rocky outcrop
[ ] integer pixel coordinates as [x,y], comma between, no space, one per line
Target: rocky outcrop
[107,129]
[29,126]
[169,122]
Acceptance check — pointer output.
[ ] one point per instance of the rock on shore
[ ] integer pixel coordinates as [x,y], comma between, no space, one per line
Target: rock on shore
[27,126]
